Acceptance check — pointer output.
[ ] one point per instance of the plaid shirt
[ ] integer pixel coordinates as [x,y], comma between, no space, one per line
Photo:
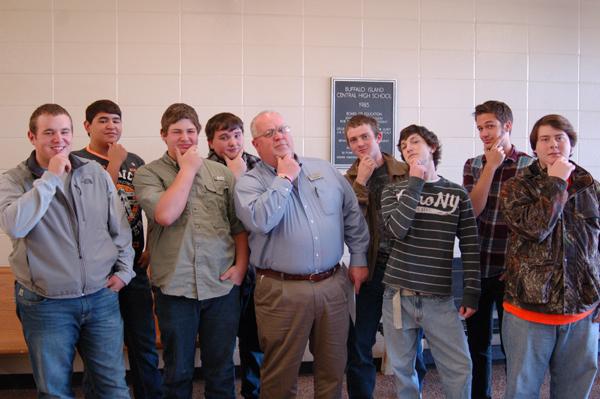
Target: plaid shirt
[251,160]
[493,232]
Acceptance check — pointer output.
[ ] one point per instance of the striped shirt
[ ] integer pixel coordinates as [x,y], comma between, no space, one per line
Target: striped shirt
[423,220]
[493,232]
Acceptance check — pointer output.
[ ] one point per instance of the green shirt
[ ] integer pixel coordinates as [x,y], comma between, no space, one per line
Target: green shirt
[187,257]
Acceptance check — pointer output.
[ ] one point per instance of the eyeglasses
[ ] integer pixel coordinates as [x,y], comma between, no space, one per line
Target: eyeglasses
[269,133]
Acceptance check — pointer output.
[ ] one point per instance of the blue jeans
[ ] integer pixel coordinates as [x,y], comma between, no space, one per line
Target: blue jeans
[215,323]
[480,332]
[361,372]
[54,328]
[251,356]
[140,339]
[570,350]
[438,317]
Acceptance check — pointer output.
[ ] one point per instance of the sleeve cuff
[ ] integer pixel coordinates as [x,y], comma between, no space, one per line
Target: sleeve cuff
[358,260]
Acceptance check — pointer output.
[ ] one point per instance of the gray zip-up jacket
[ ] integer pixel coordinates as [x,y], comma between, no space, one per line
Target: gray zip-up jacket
[65,243]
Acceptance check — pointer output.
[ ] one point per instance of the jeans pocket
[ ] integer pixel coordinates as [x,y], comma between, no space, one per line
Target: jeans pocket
[27,297]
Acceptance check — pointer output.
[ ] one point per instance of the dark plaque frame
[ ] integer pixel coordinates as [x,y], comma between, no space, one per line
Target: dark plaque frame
[372,97]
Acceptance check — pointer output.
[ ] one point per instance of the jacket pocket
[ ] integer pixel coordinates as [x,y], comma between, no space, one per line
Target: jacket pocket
[535,284]
[589,289]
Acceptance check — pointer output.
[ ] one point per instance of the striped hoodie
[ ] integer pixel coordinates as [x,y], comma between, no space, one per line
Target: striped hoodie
[423,220]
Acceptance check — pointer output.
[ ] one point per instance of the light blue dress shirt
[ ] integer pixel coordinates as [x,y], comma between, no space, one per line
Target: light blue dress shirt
[301,228]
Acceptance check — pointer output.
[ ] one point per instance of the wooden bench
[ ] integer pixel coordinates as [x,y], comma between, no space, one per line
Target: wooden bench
[11,338]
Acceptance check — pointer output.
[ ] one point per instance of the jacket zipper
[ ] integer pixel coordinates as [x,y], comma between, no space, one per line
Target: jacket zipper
[75,229]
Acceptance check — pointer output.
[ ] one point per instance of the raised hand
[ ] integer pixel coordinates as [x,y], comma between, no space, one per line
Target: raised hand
[366,166]
[191,160]
[236,165]
[561,168]
[59,164]
[417,168]
[116,153]
[288,166]
[494,155]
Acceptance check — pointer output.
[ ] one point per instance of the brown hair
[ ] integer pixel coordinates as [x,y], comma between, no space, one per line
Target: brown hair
[501,111]
[359,120]
[50,109]
[223,121]
[177,112]
[430,138]
[558,122]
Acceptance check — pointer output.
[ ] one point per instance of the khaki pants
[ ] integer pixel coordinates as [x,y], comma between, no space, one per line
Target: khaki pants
[291,313]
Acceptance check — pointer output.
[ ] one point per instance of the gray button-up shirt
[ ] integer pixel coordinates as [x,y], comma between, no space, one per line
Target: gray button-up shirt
[188,256]
[301,228]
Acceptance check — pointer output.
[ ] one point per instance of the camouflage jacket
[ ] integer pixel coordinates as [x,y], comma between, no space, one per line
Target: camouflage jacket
[553,261]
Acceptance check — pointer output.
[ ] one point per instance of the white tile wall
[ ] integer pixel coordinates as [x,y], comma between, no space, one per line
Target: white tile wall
[503,38]
[212,58]
[441,10]
[500,66]
[273,60]
[408,9]
[589,68]
[89,88]
[25,26]
[438,35]
[25,58]
[332,61]
[590,45]
[390,63]
[501,12]
[149,58]
[75,26]
[456,64]
[248,55]
[391,33]
[85,58]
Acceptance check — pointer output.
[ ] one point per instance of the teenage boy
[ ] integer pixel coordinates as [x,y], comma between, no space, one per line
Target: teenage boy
[71,255]
[483,177]
[225,136]
[372,170]
[198,255]
[552,269]
[103,125]
[424,214]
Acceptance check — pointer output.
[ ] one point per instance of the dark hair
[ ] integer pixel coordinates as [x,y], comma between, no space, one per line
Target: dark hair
[430,138]
[50,109]
[359,120]
[223,121]
[177,112]
[558,122]
[96,107]
[501,111]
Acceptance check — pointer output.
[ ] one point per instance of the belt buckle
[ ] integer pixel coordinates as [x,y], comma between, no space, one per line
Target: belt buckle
[310,277]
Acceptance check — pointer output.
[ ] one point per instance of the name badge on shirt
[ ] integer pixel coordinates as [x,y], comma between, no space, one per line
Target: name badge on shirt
[220,178]
[315,176]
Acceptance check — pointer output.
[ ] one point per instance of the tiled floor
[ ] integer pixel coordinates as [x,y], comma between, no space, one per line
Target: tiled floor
[384,389]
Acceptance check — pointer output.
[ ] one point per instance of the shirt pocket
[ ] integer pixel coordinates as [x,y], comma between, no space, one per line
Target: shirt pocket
[328,196]
[214,197]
